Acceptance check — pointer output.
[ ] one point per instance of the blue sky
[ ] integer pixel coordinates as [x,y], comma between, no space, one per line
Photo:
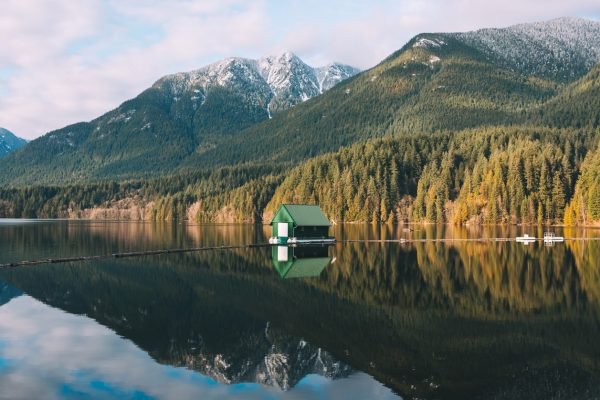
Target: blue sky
[64,61]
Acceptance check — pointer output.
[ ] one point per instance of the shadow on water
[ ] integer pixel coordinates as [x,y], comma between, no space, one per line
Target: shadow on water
[428,319]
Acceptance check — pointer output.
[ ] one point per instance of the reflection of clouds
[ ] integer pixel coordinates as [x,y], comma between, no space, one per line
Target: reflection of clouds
[357,386]
[47,353]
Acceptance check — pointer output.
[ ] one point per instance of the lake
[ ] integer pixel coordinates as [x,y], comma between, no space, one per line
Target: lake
[429,319]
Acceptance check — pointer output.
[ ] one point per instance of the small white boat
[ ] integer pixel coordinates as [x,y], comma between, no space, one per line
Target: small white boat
[526,238]
[550,237]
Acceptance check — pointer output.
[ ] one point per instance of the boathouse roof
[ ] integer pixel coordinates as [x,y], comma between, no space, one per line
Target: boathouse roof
[302,215]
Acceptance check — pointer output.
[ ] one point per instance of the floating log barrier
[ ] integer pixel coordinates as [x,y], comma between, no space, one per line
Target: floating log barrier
[129,254]
[255,245]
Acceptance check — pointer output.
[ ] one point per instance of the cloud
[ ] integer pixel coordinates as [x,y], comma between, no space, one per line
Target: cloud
[64,61]
[72,61]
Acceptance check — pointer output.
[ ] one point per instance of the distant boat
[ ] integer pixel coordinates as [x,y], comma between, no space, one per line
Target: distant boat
[526,239]
[550,237]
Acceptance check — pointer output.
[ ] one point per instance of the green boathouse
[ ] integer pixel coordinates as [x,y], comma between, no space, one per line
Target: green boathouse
[300,221]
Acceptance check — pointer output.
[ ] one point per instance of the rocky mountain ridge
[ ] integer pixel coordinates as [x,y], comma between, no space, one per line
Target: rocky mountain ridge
[9,142]
[274,83]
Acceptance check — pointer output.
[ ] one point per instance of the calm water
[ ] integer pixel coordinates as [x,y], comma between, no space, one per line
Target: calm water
[429,320]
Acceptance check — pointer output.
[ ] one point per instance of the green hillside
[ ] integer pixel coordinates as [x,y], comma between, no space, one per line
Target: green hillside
[433,83]
[447,86]
[144,137]
[584,207]
[578,105]
[492,175]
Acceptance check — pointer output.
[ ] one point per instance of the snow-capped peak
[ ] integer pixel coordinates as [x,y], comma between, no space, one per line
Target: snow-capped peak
[563,48]
[277,82]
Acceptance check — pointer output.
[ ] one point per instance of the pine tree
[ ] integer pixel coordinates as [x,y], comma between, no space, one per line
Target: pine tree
[558,197]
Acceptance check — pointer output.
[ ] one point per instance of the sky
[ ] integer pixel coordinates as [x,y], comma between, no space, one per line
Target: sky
[65,61]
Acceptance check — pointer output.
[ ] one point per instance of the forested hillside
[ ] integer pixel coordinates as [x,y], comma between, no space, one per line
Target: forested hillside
[584,207]
[578,105]
[494,175]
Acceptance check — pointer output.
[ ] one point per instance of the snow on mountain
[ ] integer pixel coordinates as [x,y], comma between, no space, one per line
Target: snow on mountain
[275,83]
[334,73]
[562,49]
[271,358]
[9,142]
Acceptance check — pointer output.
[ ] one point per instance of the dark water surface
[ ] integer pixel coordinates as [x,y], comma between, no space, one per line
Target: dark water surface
[430,320]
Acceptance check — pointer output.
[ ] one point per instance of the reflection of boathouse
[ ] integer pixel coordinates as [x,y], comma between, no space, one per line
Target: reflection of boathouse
[298,262]
[296,223]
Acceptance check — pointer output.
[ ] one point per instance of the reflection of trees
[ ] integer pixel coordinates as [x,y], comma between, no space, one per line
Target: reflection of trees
[59,239]
[468,316]
[472,277]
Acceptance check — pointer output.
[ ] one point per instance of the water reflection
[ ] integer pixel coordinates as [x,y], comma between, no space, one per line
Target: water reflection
[301,261]
[47,353]
[454,319]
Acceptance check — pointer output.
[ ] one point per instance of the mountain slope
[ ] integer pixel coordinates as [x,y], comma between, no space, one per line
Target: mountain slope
[562,49]
[220,115]
[179,115]
[9,142]
[433,83]
[578,105]
[442,81]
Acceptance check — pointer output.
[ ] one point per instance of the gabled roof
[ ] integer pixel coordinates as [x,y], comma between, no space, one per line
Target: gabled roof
[304,267]
[306,215]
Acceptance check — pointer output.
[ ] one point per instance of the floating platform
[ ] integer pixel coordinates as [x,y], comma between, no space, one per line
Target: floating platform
[295,240]
[550,237]
[526,239]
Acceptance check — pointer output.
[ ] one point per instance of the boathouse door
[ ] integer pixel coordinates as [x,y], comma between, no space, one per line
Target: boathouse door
[282,229]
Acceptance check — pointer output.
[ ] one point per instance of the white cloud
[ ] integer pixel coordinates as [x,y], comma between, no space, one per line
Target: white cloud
[69,61]
[72,61]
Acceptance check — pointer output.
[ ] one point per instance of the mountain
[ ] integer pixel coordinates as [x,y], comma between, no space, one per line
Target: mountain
[436,82]
[178,116]
[220,114]
[271,84]
[267,356]
[9,142]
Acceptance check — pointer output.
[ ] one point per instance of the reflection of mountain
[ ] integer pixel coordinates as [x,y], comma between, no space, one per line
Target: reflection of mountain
[268,357]
[8,292]
[188,319]
[460,320]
